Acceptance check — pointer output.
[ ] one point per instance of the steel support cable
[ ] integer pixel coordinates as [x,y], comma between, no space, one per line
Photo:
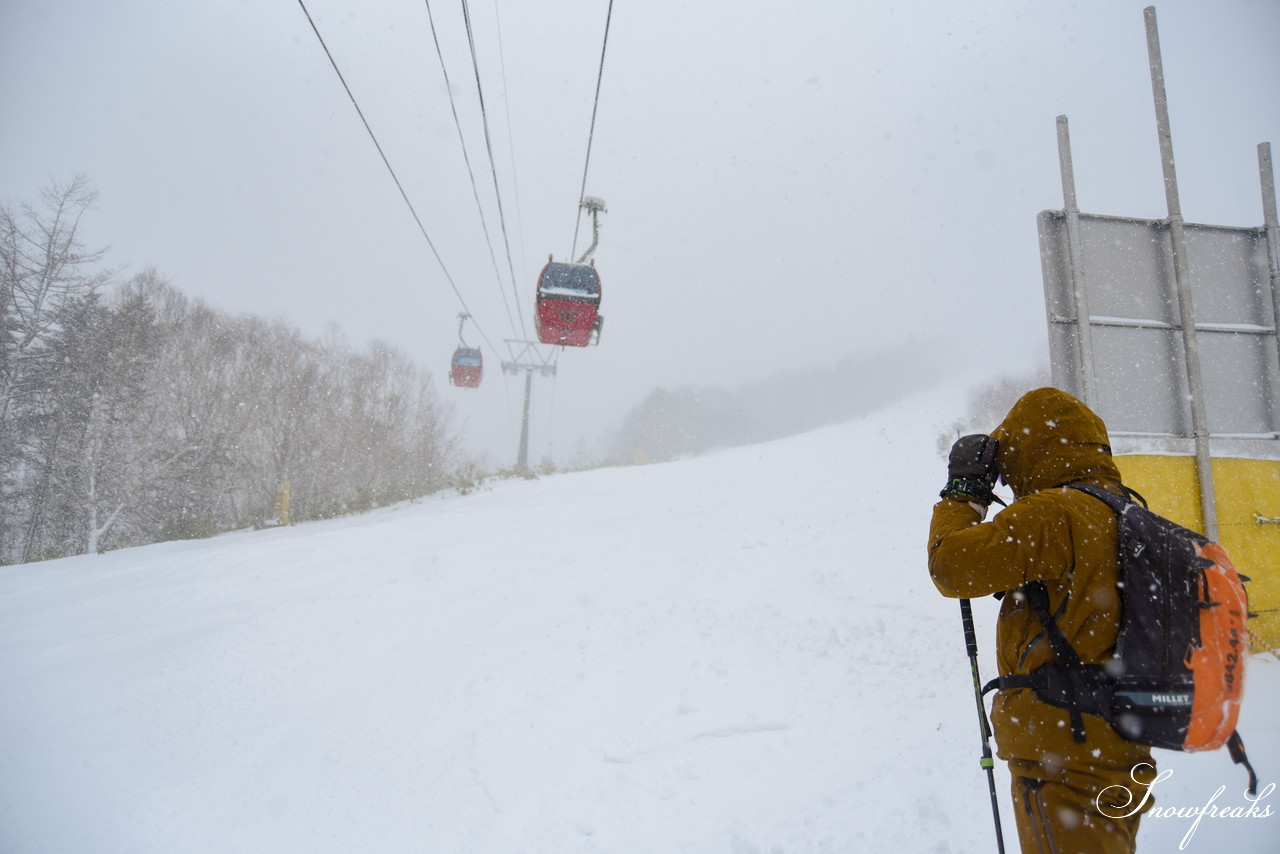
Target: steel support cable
[479,208]
[394,177]
[592,132]
[470,172]
[501,218]
[511,146]
[484,117]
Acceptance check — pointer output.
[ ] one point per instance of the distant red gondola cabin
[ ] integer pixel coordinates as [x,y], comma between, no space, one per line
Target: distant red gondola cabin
[466,368]
[568,305]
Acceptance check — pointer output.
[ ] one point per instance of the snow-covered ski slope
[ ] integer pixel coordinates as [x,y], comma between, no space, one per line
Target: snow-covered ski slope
[737,653]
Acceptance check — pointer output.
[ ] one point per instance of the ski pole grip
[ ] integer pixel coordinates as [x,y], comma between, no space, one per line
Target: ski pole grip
[970,638]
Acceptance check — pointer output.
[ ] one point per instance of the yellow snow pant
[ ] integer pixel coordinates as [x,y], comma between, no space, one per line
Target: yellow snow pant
[1067,811]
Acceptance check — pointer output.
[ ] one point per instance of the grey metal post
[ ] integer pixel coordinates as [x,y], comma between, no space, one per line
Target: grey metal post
[1075,266]
[1195,388]
[528,360]
[1268,178]
[522,461]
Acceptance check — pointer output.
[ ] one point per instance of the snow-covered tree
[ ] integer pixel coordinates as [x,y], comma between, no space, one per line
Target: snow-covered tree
[44,268]
[139,414]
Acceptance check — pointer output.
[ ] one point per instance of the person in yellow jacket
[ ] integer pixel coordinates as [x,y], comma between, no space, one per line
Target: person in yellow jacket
[1070,796]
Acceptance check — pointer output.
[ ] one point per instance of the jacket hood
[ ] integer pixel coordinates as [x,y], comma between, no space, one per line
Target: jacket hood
[1050,438]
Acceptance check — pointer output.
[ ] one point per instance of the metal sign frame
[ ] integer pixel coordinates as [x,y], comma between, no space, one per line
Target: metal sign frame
[1129,361]
[1126,335]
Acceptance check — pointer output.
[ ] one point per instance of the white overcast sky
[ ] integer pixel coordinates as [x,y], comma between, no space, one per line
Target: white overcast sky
[787,183]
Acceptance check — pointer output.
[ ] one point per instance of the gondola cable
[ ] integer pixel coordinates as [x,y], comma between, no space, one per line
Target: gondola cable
[511,147]
[470,172]
[592,132]
[392,171]
[484,117]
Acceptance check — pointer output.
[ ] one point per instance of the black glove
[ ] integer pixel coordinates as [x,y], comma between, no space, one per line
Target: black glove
[971,469]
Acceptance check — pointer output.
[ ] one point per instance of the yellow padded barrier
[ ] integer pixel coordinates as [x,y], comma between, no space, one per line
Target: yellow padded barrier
[1248,499]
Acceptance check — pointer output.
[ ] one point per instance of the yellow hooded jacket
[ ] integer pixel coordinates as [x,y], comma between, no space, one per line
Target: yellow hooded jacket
[1050,533]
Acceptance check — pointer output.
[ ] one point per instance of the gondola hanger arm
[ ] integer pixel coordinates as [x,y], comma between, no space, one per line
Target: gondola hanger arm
[595,206]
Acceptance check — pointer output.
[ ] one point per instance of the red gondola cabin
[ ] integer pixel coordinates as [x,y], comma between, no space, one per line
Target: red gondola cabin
[466,368]
[568,305]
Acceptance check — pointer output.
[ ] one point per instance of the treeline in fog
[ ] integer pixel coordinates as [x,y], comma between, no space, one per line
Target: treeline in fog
[685,421]
[130,413]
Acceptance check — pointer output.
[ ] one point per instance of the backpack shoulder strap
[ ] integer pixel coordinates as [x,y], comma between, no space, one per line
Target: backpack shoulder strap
[1115,502]
[1038,598]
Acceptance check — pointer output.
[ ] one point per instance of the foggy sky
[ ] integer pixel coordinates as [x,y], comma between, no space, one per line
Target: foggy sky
[785,186]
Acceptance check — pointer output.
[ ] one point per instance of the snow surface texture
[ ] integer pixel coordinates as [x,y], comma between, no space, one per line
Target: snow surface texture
[737,653]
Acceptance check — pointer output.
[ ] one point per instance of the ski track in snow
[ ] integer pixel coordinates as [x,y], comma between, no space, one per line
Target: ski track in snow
[736,653]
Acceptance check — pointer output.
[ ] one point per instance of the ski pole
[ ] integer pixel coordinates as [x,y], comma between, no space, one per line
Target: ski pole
[971,644]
